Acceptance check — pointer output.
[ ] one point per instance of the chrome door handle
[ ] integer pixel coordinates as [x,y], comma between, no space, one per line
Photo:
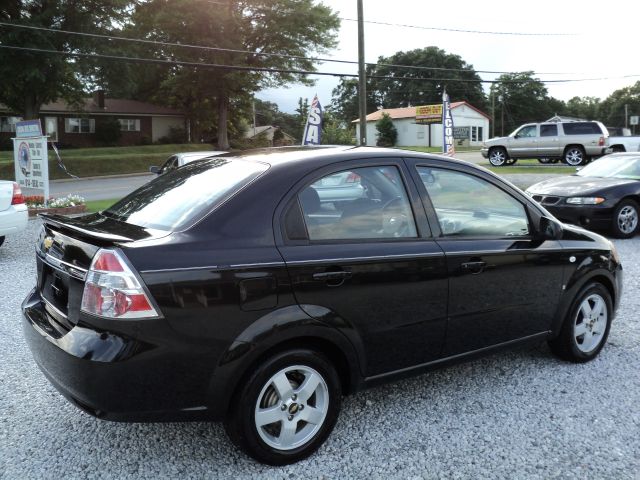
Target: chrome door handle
[474,267]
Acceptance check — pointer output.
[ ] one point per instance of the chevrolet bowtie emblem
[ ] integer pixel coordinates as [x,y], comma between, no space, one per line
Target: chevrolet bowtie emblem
[47,242]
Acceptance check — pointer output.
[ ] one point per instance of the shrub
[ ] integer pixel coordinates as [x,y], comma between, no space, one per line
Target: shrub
[387,132]
[108,132]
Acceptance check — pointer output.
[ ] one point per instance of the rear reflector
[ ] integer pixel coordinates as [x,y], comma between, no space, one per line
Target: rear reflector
[18,197]
[112,290]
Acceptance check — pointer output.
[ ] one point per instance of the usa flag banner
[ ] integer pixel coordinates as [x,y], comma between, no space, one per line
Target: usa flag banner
[313,130]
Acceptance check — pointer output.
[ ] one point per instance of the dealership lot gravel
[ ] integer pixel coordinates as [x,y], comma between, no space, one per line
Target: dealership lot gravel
[520,414]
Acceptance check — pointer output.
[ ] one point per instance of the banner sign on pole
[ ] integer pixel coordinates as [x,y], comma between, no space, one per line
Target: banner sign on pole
[313,130]
[426,114]
[31,157]
[448,146]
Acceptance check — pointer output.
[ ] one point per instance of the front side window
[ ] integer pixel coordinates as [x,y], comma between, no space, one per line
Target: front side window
[527,132]
[362,203]
[79,125]
[468,206]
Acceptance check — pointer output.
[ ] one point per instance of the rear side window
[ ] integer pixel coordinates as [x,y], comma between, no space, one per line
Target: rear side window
[363,203]
[581,128]
[179,198]
[548,130]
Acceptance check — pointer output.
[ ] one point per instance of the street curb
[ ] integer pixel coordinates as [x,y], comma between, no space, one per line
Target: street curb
[121,175]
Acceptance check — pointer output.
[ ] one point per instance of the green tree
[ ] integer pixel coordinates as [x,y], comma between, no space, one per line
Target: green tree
[345,97]
[35,78]
[387,132]
[612,108]
[584,107]
[521,98]
[404,87]
[335,131]
[295,28]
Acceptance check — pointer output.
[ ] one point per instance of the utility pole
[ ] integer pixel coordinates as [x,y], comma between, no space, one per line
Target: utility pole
[626,115]
[254,116]
[493,114]
[501,98]
[362,79]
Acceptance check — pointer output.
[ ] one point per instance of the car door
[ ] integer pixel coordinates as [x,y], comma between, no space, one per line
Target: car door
[524,142]
[504,284]
[549,142]
[365,261]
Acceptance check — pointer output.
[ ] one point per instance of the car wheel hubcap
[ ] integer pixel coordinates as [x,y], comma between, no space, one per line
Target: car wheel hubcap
[627,219]
[291,407]
[590,323]
[497,158]
[574,157]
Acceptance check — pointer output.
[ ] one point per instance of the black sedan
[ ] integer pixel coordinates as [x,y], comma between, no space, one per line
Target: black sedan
[230,289]
[604,195]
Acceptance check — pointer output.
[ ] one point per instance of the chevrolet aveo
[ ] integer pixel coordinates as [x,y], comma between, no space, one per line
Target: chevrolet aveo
[230,289]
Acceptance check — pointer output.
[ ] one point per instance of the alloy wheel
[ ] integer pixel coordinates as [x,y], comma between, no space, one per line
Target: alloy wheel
[574,157]
[291,407]
[590,323]
[627,219]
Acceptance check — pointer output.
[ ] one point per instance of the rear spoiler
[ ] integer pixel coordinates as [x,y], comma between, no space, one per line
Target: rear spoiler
[96,227]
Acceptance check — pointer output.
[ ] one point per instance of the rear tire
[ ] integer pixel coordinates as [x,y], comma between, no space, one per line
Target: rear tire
[575,156]
[286,408]
[586,326]
[497,156]
[626,219]
[1,241]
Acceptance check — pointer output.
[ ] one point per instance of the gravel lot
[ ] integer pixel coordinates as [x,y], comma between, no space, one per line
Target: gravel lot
[521,414]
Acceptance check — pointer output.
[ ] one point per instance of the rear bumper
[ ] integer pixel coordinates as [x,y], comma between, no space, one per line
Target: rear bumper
[13,220]
[115,376]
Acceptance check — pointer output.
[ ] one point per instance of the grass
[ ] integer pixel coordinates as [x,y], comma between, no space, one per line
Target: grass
[99,205]
[90,162]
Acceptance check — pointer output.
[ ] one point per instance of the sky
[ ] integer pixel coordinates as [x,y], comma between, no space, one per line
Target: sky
[581,40]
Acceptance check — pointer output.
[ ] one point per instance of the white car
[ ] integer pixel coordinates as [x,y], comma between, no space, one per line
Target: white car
[179,159]
[13,210]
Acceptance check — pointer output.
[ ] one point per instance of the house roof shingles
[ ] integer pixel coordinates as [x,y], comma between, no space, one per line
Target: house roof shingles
[111,106]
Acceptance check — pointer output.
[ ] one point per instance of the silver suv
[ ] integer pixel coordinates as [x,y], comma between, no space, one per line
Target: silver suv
[574,143]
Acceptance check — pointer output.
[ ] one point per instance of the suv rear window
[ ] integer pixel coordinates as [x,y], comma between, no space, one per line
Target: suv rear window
[178,199]
[581,128]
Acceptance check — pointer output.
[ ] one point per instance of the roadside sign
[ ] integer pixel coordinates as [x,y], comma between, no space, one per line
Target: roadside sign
[31,158]
[633,119]
[429,114]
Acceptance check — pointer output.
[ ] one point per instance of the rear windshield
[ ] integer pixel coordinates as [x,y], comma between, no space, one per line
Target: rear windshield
[178,199]
[581,128]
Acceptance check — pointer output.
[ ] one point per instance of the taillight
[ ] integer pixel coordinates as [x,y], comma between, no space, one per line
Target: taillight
[112,290]
[18,197]
[601,142]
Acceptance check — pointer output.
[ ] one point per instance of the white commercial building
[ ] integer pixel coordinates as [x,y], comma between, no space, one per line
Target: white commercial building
[471,127]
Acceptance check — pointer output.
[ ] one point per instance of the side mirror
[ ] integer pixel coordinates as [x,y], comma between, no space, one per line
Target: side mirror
[549,229]
[154,169]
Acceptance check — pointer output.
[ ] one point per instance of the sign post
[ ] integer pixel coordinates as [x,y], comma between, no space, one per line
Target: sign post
[31,158]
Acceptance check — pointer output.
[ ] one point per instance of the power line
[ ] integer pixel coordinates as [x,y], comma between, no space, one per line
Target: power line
[265,54]
[287,70]
[460,30]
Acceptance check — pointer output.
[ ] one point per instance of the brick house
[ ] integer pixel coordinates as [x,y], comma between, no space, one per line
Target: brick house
[72,125]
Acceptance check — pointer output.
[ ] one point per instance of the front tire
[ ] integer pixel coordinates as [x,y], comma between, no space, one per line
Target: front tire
[575,156]
[625,221]
[286,408]
[1,241]
[497,156]
[586,327]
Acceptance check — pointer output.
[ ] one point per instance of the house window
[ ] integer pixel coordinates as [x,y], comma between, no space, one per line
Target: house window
[129,124]
[476,134]
[8,124]
[79,125]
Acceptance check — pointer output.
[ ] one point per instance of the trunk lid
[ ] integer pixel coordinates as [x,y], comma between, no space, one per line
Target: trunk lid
[64,251]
